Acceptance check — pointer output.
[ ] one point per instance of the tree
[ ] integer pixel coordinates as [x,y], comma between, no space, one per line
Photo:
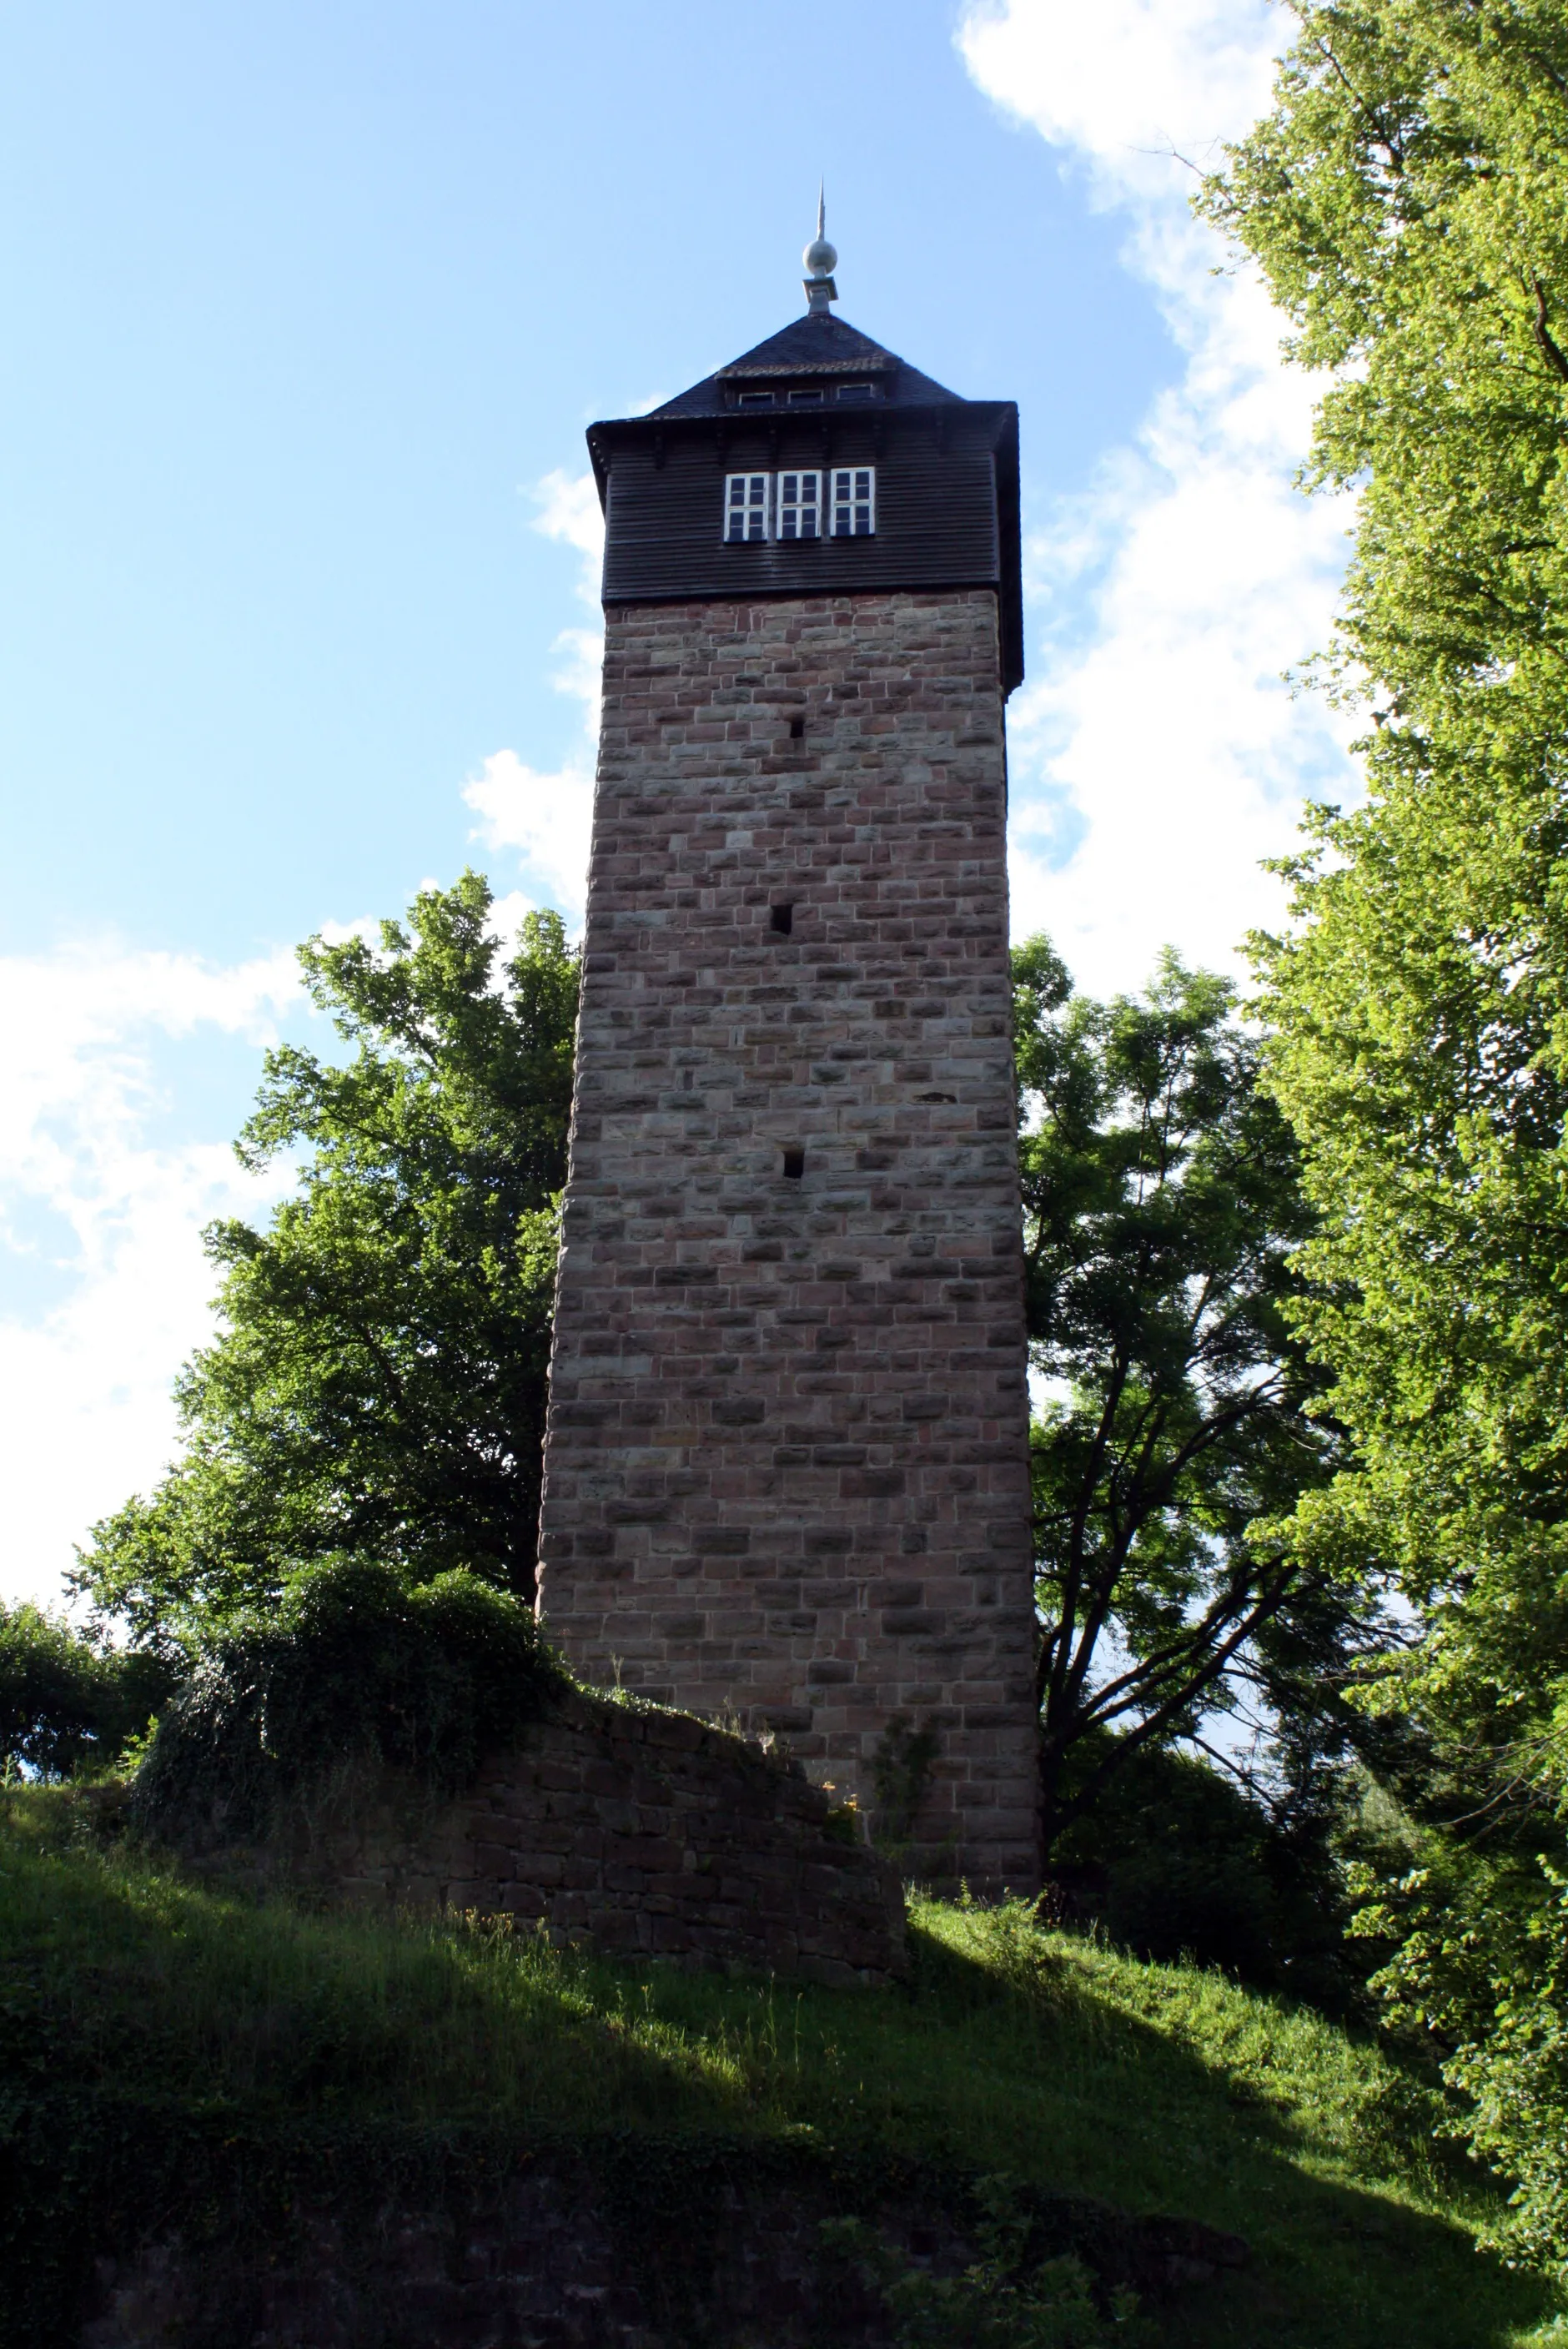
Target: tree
[1406,201]
[379,1384]
[69,1703]
[1160,1205]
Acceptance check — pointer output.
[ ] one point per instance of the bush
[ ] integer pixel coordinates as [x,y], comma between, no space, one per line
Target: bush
[354,1668]
[1009,2298]
[1174,1861]
[65,1705]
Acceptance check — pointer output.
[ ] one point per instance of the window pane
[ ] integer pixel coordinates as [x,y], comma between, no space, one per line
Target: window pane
[798,497]
[746,505]
[854,502]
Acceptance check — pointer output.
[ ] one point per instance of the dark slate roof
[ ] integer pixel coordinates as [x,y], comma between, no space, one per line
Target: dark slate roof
[816,344]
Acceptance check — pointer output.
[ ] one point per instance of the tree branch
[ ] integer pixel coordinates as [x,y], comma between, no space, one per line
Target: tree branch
[1136,1739]
[1545,341]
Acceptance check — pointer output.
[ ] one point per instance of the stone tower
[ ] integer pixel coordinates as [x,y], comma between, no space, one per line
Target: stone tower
[786,1472]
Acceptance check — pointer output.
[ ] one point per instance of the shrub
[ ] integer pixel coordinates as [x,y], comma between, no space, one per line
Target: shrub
[1175,1861]
[354,1668]
[1006,2299]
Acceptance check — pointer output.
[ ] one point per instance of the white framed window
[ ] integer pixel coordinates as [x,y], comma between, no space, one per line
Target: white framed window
[854,507]
[746,507]
[800,513]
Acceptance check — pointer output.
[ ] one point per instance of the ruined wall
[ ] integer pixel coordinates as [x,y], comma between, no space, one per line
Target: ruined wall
[644,1834]
[786,1474]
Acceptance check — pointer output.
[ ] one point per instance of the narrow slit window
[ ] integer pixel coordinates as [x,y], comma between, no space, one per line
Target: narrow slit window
[745,507]
[805,400]
[854,502]
[794,1165]
[755,400]
[800,505]
[856,391]
[783,919]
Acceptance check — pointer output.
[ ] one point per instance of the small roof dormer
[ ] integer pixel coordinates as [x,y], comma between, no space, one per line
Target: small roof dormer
[817,352]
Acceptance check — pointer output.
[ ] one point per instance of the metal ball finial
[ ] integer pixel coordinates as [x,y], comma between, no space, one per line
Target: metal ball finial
[821,260]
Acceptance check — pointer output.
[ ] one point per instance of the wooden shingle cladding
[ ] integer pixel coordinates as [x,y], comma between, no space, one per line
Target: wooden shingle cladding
[948,505]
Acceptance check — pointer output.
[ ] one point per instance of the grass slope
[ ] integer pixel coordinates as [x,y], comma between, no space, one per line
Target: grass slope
[139,2010]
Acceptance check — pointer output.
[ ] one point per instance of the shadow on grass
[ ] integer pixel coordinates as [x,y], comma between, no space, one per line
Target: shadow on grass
[178,2061]
[1268,2124]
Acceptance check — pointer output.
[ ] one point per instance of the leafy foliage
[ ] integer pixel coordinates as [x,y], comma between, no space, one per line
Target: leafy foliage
[353,1667]
[66,1703]
[1176,1859]
[1406,201]
[1161,1204]
[380,1384]
[1009,2298]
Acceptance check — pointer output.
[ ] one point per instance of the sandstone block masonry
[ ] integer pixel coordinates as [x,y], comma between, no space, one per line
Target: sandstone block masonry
[786,1472]
[643,1832]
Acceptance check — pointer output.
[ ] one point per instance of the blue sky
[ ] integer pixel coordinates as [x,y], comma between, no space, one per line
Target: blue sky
[308,295]
[308,309]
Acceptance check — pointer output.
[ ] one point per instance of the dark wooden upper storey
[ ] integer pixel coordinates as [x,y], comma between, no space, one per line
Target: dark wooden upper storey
[817,396]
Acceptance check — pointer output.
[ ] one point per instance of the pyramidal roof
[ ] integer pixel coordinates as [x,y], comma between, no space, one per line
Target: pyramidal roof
[818,344]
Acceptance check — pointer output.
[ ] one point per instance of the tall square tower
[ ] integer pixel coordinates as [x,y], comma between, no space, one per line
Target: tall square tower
[787,1466]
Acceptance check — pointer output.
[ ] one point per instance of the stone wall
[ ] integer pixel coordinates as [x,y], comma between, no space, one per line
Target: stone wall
[644,1834]
[546,2257]
[786,1473]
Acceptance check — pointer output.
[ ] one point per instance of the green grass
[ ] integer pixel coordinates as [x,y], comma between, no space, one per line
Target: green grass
[126,1992]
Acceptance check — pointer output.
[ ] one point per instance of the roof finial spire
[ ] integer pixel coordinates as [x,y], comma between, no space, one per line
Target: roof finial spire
[820,261]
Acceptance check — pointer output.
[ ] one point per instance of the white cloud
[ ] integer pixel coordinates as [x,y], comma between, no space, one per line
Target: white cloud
[1124,82]
[547,816]
[97,1208]
[1158,755]
[569,511]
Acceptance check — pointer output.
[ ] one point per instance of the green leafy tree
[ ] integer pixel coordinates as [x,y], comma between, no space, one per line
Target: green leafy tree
[1405,199]
[1162,1206]
[69,1703]
[378,1386]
